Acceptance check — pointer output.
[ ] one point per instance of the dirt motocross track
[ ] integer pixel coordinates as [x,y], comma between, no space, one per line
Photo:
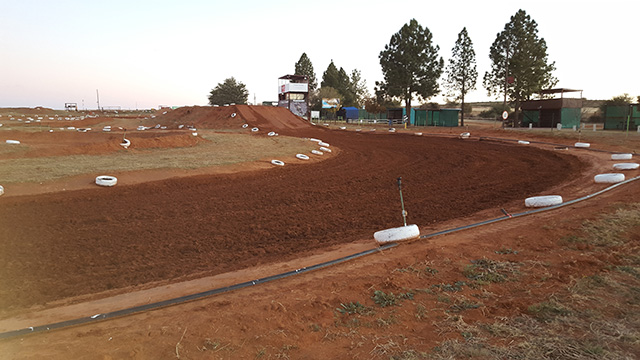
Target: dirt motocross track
[63,245]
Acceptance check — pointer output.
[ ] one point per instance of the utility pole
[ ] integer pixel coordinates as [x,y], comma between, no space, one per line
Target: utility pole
[98,98]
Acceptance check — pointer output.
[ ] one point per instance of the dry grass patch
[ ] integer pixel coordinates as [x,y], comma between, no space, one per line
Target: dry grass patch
[221,149]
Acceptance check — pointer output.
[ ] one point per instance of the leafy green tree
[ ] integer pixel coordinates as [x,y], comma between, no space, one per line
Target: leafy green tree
[382,96]
[372,106]
[519,61]
[305,67]
[358,87]
[461,70]
[410,64]
[345,88]
[352,89]
[229,91]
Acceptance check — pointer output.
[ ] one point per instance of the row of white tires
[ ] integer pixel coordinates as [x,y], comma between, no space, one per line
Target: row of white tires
[625,166]
[608,178]
[621,156]
[299,156]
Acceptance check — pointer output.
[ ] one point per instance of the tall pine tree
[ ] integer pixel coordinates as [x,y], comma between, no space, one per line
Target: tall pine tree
[519,62]
[305,67]
[410,64]
[461,70]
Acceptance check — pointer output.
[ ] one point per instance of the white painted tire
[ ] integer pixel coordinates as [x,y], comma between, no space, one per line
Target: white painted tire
[621,156]
[1,189]
[277,162]
[542,201]
[125,143]
[625,166]
[233,115]
[582,145]
[105,180]
[322,148]
[272,133]
[302,156]
[322,143]
[315,140]
[418,134]
[245,126]
[343,128]
[194,133]
[358,130]
[397,234]
[522,142]
[392,130]
[14,142]
[608,178]
[465,135]
[255,129]
[317,152]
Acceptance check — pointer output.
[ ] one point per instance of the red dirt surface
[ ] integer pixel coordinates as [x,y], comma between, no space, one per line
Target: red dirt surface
[64,248]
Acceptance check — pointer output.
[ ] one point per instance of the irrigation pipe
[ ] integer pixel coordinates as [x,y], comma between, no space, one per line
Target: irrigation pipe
[182,299]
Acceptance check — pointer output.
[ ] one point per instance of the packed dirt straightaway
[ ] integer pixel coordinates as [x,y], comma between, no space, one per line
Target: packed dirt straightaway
[62,245]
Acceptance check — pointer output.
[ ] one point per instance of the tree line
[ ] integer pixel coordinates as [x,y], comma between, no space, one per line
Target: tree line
[412,69]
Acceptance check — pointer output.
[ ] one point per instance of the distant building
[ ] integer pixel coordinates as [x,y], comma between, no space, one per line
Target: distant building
[549,112]
[622,117]
[293,94]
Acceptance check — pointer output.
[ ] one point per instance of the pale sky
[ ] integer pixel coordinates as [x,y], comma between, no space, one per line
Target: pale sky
[142,54]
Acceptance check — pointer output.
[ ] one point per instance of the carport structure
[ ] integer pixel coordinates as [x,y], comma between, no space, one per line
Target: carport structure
[553,109]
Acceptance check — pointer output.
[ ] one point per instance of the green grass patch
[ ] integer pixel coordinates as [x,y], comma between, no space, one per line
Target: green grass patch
[548,310]
[631,270]
[355,308]
[420,269]
[383,299]
[485,271]
[455,287]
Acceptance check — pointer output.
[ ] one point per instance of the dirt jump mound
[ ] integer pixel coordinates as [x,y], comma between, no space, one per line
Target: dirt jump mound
[233,117]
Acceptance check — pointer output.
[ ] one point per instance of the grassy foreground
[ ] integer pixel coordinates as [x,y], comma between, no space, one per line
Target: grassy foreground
[221,149]
[595,317]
